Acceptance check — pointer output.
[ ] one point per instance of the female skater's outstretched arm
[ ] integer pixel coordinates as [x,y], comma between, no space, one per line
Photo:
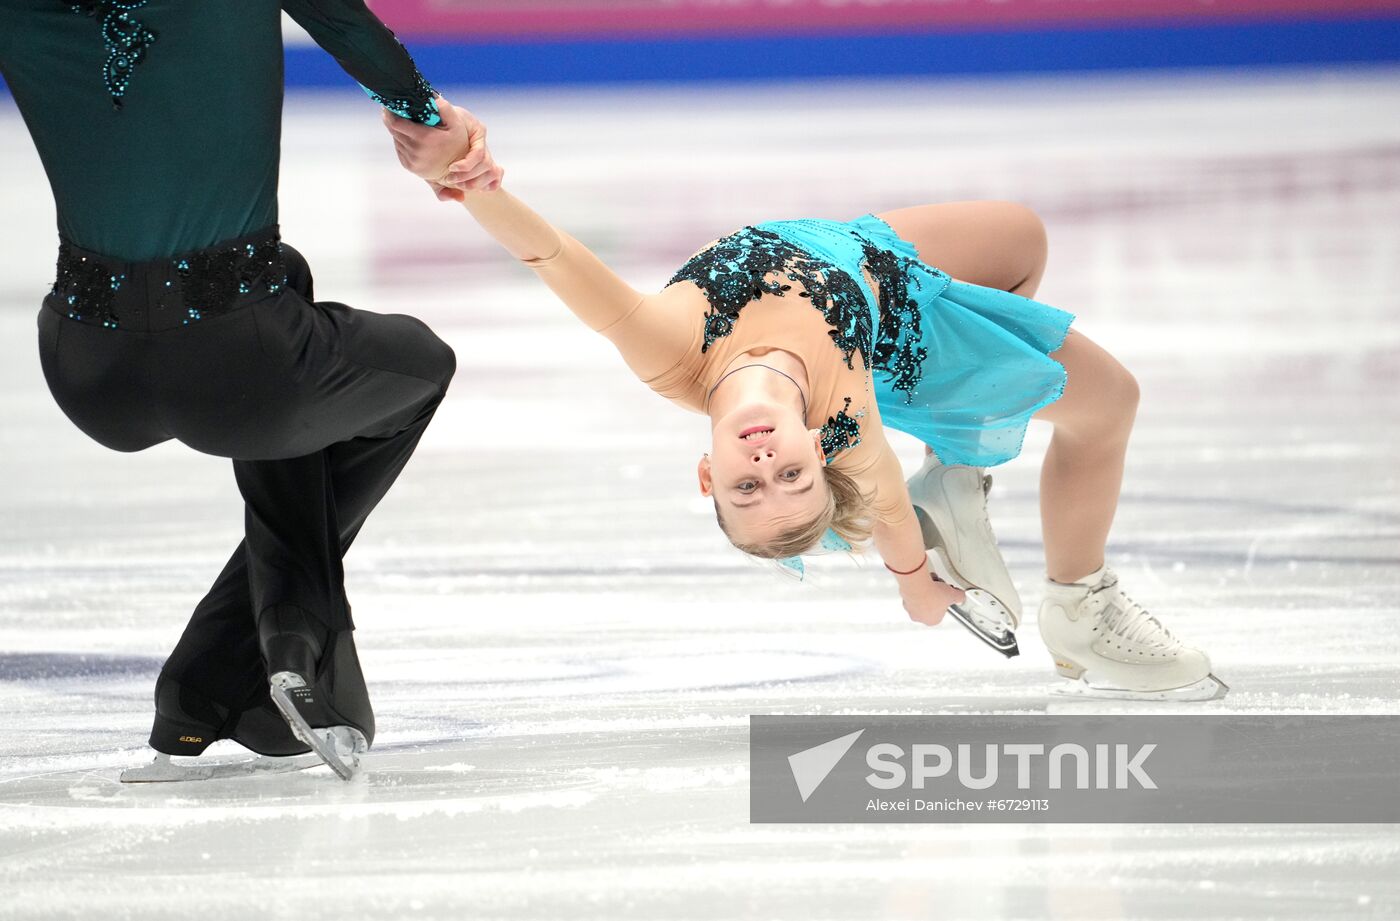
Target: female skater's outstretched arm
[594,292]
[643,327]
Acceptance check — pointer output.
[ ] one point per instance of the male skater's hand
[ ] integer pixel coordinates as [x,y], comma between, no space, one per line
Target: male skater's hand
[428,152]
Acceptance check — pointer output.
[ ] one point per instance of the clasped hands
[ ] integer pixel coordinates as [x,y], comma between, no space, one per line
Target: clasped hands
[452,157]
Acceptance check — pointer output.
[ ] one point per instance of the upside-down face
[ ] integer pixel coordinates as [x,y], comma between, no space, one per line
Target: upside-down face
[764,472]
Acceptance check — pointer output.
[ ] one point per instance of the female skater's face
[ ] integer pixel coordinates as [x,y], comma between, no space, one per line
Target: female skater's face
[765,472]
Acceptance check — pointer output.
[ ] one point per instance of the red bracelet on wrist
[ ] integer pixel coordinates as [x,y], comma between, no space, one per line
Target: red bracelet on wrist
[910,572]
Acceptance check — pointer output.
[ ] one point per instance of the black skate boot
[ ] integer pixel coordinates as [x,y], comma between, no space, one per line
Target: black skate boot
[187,722]
[315,682]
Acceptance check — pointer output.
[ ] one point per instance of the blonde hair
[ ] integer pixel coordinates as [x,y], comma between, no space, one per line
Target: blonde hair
[847,512]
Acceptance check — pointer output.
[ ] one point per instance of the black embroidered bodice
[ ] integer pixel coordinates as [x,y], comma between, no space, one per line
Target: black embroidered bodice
[735,271]
[752,262]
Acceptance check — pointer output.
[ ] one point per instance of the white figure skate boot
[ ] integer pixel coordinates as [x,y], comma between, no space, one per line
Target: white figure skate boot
[950,502]
[1111,647]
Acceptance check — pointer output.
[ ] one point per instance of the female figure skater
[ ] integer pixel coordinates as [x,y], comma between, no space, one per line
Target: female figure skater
[802,339]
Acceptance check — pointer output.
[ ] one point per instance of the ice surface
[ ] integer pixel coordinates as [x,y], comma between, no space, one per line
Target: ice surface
[562,649]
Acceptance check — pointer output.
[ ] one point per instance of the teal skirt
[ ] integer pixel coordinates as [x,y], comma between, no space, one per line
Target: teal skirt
[986,365]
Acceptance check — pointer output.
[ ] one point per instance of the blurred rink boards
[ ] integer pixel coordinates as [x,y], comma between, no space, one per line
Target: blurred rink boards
[556,41]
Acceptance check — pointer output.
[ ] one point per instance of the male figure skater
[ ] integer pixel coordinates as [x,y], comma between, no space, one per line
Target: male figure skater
[177,312]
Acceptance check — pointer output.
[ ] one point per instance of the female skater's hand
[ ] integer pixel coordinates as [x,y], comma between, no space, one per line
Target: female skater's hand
[927,599]
[476,170]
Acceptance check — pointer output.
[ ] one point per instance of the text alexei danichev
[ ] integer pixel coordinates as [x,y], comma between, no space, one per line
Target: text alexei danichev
[958,805]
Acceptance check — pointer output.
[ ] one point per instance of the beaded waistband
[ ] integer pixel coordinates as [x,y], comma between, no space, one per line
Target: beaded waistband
[165,293]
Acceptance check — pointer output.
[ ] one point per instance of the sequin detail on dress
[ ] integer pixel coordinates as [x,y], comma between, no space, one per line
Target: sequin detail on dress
[897,350]
[841,431]
[736,270]
[125,37]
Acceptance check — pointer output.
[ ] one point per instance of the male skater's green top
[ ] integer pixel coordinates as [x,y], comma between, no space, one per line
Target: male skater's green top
[159,121]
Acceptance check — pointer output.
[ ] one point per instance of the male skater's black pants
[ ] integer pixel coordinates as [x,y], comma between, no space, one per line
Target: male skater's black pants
[319,405]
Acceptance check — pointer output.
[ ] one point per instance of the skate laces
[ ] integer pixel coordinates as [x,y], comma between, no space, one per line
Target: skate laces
[1124,617]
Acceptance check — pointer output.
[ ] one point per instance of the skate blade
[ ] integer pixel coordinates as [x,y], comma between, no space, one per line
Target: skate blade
[988,605]
[1208,688]
[987,620]
[339,747]
[982,613]
[164,770]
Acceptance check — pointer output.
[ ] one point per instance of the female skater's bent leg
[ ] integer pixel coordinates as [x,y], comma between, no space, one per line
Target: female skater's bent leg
[1083,469]
[1100,638]
[996,244]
